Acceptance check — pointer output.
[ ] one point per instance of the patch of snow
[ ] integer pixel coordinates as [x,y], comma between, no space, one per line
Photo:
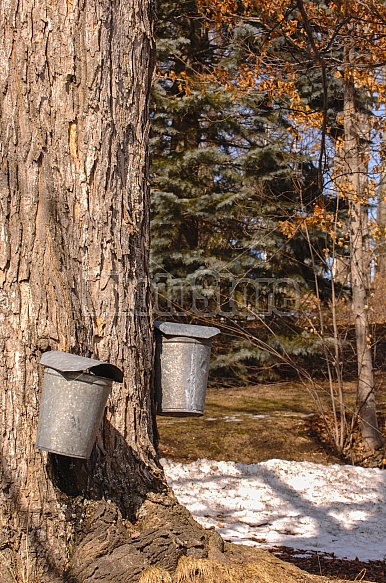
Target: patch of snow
[307,506]
[232,418]
[237,417]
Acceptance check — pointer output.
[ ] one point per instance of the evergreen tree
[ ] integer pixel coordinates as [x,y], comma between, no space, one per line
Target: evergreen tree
[225,176]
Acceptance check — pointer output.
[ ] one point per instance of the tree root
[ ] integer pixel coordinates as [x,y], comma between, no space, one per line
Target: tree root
[166,545]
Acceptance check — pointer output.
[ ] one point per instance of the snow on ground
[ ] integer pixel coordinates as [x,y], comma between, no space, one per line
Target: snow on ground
[312,507]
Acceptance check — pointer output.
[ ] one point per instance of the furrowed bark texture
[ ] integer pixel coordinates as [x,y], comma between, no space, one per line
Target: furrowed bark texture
[74,240]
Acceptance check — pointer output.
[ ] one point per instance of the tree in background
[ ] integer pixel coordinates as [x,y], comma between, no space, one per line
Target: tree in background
[355,186]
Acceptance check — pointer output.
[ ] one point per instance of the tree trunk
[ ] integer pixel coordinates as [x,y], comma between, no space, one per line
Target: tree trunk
[380,271]
[379,290]
[381,224]
[74,248]
[355,163]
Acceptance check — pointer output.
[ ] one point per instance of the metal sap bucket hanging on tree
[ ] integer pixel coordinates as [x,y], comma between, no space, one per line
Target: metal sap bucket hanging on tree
[181,367]
[74,396]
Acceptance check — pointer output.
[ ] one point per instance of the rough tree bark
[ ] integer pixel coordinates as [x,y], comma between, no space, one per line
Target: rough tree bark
[74,241]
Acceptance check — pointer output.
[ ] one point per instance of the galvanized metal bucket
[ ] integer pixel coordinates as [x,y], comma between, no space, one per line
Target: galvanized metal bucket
[73,399]
[181,368]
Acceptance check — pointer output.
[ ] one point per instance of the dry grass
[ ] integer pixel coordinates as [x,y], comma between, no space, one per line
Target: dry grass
[190,570]
[155,575]
[200,571]
[249,425]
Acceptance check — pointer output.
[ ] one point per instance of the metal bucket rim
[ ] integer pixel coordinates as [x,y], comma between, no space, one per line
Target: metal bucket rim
[189,330]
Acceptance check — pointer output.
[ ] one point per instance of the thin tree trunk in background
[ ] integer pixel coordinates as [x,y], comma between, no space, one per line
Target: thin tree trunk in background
[380,266]
[381,223]
[356,164]
[378,299]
